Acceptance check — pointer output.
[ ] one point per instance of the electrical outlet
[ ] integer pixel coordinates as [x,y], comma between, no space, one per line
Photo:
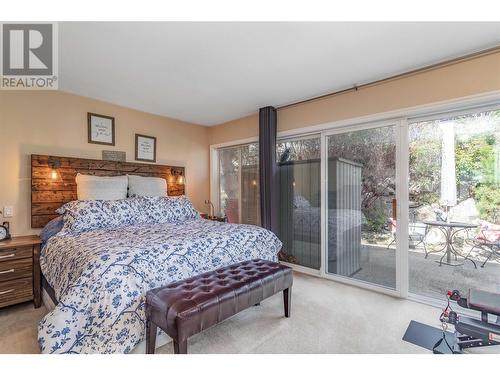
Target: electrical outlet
[8,211]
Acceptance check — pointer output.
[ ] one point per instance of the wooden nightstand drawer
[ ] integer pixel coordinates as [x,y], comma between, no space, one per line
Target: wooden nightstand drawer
[16,291]
[16,269]
[20,278]
[16,253]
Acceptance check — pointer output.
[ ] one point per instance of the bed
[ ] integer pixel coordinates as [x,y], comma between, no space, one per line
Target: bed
[99,269]
[100,277]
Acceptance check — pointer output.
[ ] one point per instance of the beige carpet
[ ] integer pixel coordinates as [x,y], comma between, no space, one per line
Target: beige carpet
[327,317]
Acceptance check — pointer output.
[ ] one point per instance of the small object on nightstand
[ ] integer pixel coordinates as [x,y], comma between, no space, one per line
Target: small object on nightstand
[20,278]
[4,231]
[211,212]
[213,218]
[216,218]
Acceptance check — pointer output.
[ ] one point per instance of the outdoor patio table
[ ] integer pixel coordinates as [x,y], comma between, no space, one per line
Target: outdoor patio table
[450,230]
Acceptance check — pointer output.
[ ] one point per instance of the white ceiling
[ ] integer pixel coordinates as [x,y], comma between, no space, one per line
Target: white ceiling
[209,73]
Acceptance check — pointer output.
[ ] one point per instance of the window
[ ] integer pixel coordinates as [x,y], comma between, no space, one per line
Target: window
[454,166]
[361,172]
[238,184]
[299,176]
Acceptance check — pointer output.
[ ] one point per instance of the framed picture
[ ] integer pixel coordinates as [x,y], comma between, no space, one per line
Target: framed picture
[101,129]
[145,148]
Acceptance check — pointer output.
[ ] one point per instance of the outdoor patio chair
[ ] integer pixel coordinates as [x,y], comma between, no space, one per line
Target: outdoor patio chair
[487,239]
[416,234]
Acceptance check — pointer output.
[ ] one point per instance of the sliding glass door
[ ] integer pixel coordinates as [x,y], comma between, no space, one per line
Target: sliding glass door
[299,176]
[238,184]
[361,215]
[407,207]
[454,208]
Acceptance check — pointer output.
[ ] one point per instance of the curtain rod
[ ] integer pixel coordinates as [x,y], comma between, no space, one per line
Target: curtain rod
[456,60]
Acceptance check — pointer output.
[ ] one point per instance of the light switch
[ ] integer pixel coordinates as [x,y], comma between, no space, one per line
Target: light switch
[8,211]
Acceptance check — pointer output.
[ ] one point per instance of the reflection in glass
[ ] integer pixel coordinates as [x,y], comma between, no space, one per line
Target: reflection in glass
[361,200]
[300,200]
[239,184]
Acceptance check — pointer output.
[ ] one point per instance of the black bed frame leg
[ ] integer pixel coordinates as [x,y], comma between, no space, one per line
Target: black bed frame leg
[151,331]
[287,301]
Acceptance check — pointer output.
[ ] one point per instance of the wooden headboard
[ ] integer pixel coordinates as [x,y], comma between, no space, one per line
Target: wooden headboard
[48,194]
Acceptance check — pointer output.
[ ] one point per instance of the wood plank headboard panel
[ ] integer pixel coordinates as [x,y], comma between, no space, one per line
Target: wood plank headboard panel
[48,194]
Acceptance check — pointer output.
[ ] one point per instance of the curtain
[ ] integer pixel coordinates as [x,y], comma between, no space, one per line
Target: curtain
[268,169]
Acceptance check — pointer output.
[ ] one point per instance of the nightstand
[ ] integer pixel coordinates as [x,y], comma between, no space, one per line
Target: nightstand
[20,271]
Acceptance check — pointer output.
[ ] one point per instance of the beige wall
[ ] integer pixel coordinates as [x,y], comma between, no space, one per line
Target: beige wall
[55,123]
[474,76]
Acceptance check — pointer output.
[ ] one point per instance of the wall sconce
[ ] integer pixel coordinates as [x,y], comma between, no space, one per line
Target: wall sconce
[179,176]
[254,182]
[54,164]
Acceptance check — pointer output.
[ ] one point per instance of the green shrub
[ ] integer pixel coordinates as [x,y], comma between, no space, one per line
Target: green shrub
[488,201]
[376,219]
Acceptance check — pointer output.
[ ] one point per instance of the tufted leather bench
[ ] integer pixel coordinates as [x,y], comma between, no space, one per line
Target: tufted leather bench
[187,307]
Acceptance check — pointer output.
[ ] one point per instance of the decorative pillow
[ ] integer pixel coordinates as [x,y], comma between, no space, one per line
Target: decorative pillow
[52,228]
[101,188]
[146,186]
[168,209]
[82,216]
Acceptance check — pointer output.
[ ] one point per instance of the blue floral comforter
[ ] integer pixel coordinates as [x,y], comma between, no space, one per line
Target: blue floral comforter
[101,277]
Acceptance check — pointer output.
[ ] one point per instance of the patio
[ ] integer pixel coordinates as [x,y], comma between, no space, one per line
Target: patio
[426,277]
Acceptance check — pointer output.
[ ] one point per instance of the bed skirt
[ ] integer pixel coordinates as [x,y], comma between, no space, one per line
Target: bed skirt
[49,300]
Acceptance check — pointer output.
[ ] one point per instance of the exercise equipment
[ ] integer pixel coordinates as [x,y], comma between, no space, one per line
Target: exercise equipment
[469,332]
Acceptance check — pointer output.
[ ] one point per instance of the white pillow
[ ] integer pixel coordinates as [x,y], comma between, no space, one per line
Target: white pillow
[101,188]
[146,186]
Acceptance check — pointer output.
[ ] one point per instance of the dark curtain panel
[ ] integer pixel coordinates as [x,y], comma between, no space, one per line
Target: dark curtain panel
[268,169]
